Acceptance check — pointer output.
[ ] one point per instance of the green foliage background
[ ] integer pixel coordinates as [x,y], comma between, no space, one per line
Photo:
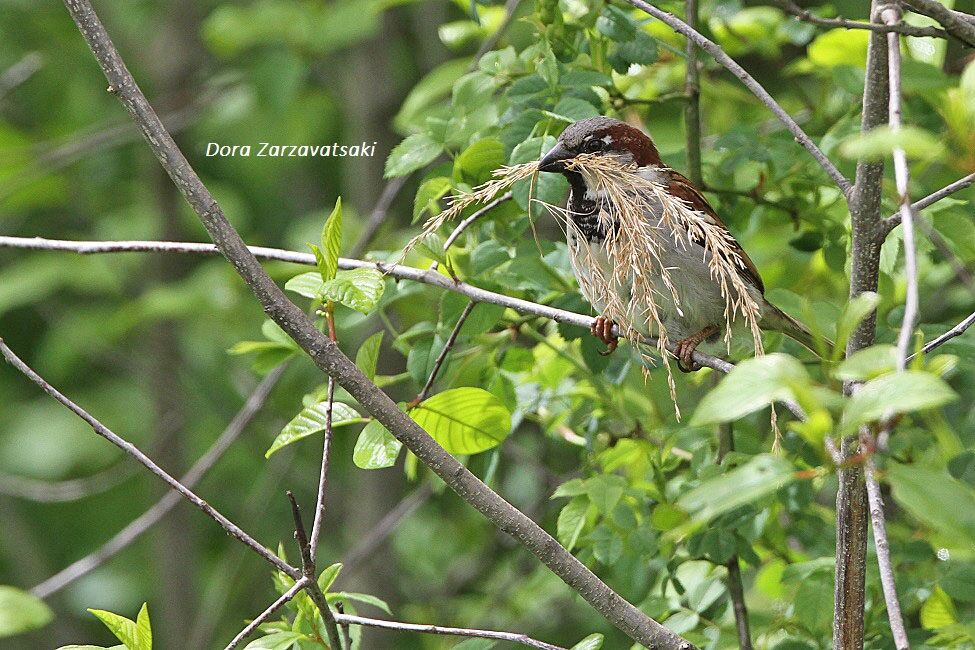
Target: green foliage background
[594,453]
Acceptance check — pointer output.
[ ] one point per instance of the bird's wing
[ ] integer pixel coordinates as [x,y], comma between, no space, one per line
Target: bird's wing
[682,188]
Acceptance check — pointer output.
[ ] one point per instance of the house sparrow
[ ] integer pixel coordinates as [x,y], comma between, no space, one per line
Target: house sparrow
[699,312]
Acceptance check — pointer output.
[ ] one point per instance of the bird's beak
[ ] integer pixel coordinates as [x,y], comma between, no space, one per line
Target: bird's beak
[554,160]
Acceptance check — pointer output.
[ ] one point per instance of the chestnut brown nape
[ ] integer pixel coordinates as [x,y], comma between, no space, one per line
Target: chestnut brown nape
[622,136]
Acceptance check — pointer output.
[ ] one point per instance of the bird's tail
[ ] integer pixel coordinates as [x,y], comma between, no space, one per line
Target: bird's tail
[776,319]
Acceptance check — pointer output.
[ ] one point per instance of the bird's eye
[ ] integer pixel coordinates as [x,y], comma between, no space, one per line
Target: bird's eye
[592,146]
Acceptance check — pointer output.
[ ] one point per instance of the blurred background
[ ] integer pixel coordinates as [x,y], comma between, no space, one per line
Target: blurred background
[142,340]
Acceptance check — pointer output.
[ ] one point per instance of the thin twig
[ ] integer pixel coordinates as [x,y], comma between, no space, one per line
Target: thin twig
[957,330]
[451,340]
[282,600]
[32,489]
[883,555]
[756,88]
[316,529]
[346,636]
[512,637]
[955,23]
[894,220]
[902,176]
[378,215]
[20,72]
[150,517]
[135,453]
[509,13]
[397,271]
[908,30]
[327,356]
[308,570]
[383,529]
[466,222]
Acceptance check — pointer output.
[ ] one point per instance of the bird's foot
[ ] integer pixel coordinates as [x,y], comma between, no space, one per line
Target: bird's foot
[686,348]
[602,329]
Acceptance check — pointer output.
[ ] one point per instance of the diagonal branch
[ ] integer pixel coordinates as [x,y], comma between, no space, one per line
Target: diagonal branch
[957,330]
[954,22]
[331,360]
[135,453]
[908,30]
[719,55]
[894,220]
[262,618]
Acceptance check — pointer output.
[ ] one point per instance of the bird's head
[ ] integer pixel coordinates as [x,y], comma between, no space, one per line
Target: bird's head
[601,136]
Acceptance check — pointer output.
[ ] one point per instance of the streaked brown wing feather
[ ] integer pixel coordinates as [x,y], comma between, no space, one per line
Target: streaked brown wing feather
[682,188]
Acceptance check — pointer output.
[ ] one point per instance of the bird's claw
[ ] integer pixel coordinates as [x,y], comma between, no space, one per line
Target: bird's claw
[685,355]
[602,329]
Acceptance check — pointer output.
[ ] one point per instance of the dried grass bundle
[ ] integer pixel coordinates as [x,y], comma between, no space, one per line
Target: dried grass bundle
[637,246]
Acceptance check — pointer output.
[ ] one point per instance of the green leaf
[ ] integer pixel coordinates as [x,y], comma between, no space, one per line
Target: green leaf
[616,24]
[368,599]
[591,642]
[571,488]
[376,447]
[143,628]
[358,289]
[282,640]
[853,314]
[91,647]
[367,356]
[839,47]
[328,576]
[307,284]
[328,263]
[938,611]
[427,195]
[762,475]
[606,545]
[899,392]
[814,603]
[605,491]
[867,363]
[572,519]
[433,87]
[937,499]
[751,385]
[476,163]
[411,154]
[21,612]
[123,628]
[880,142]
[311,420]
[585,79]
[572,109]
[464,420]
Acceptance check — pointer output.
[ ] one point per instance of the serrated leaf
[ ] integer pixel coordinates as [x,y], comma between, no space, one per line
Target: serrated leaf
[21,612]
[476,163]
[123,628]
[376,447]
[464,420]
[606,545]
[938,611]
[358,289]
[616,24]
[311,420]
[367,355]
[572,519]
[307,284]
[751,385]
[427,195]
[757,478]
[412,153]
[591,642]
[572,109]
[368,599]
[328,263]
[899,392]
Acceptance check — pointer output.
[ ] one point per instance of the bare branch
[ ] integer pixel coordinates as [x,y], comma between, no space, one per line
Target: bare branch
[397,271]
[378,215]
[902,177]
[465,223]
[883,555]
[311,584]
[448,345]
[957,330]
[954,22]
[512,637]
[327,356]
[719,55]
[32,489]
[262,618]
[894,220]
[908,30]
[316,529]
[135,453]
